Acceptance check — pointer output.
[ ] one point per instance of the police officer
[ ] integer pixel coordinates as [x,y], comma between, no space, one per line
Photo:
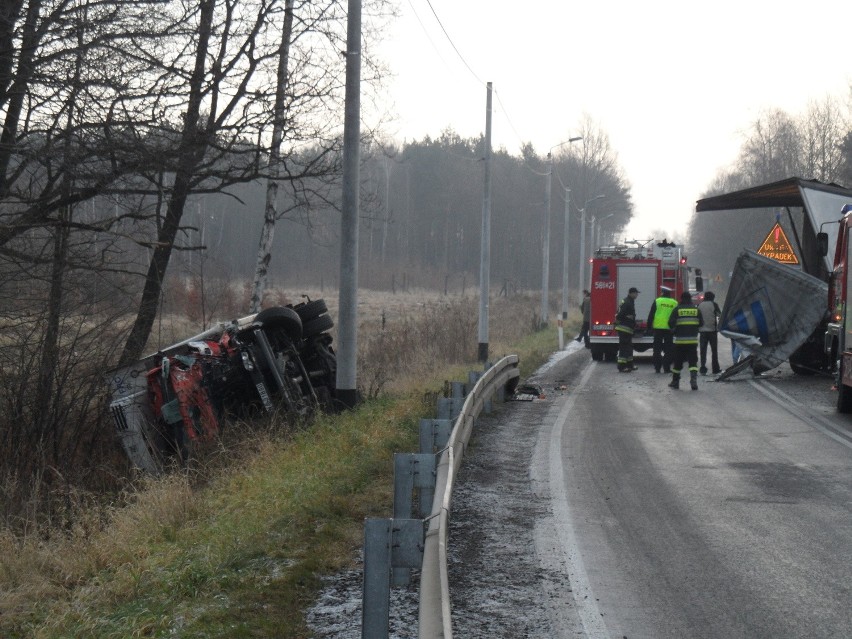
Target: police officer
[625,323]
[658,320]
[685,321]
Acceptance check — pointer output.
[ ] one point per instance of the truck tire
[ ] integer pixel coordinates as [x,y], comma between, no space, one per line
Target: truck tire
[844,394]
[283,318]
[597,353]
[317,325]
[611,355]
[310,310]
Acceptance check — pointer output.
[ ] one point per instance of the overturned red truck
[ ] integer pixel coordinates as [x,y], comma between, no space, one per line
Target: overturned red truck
[278,359]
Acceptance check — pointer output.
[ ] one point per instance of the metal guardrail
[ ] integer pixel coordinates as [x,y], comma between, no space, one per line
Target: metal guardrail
[435,613]
[393,546]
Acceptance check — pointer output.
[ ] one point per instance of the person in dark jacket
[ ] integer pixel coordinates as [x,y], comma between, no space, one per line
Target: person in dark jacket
[625,324]
[707,334]
[658,321]
[586,309]
[685,322]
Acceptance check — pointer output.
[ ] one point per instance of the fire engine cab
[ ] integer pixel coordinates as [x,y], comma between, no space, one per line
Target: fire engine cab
[645,265]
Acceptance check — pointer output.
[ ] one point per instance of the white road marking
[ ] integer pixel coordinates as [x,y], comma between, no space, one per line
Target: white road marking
[802,412]
[558,546]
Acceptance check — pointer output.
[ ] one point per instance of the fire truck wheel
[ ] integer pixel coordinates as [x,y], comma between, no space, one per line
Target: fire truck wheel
[310,310]
[610,356]
[597,353]
[281,317]
[844,395]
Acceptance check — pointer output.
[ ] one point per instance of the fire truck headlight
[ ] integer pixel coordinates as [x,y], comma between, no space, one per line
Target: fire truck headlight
[247,363]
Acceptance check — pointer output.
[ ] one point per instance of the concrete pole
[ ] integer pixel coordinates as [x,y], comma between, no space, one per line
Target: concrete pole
[592,247]
[545,249]
[485,250]
[565,236]
[347,334]
[582,249]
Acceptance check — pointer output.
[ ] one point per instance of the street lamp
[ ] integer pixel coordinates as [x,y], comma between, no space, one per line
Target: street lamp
[545,264]
[582,275]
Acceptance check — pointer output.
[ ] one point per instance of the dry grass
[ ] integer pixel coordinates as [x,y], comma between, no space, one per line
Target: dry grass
[235,548]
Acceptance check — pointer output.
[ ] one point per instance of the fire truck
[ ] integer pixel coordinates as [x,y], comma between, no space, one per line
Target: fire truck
[838,336]
[645,265]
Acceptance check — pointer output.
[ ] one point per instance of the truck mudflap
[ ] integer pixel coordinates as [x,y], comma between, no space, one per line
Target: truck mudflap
[771,310]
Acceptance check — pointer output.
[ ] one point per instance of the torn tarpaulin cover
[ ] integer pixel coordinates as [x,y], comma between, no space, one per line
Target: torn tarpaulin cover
[771,308]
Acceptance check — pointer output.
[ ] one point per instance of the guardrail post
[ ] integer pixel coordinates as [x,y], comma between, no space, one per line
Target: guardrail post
[407,539]
[434,434]
[375,612]
[390,545]
[412,471]
[457,389]
[449,407]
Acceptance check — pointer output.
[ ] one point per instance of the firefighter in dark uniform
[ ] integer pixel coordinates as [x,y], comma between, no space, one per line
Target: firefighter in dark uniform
[658,321]
[625,323]
[685,321]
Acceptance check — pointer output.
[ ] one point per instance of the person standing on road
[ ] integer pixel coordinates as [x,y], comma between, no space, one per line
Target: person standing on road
[625,324]
[586,308]
[685,321]
[658,320]
[708,333]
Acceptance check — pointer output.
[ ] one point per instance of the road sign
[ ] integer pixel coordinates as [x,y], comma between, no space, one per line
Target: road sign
[776,246]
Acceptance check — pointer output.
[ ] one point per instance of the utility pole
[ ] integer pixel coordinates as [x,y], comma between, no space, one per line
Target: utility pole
[565,269]
[485,251]
[347,335]
[545,249]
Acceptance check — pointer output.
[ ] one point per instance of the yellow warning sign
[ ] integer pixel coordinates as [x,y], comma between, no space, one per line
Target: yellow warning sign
[777,247]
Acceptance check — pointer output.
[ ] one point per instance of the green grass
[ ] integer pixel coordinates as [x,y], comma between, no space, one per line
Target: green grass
[241,557]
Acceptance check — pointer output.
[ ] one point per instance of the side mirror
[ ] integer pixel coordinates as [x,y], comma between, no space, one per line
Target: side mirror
[822,244]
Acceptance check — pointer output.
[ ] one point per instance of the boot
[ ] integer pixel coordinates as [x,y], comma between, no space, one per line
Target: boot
[675,383]
[693,380]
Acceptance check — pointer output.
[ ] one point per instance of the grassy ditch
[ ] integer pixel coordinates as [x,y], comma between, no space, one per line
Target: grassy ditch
[237,549]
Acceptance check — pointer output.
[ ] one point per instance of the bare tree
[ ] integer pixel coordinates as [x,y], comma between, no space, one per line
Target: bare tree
[264,253]
[822,128]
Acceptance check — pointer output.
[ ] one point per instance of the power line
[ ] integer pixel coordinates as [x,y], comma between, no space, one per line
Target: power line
[450,40]
[426,33]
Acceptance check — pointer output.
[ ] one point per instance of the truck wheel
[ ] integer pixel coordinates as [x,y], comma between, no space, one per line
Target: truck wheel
[281,317]
[317,325]
[310,310]
[844,394]
[611,356]
[597,353]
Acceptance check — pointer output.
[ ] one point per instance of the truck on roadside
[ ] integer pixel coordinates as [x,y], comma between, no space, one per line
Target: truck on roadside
[838,335]
[615,269]
[169,402]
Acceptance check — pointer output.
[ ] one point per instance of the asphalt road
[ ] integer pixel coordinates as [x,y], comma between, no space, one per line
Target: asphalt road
[617,507]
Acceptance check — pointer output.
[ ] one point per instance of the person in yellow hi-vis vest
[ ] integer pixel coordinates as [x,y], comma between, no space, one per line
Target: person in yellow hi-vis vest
[658,321]
[685,321]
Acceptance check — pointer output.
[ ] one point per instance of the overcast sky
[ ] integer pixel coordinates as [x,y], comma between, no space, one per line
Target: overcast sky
[674,84]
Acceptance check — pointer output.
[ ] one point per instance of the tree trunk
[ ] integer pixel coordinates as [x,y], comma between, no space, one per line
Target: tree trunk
[264,250]
[192,148]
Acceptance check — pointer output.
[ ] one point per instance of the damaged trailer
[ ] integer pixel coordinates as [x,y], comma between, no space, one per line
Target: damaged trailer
[770,312]
[811,208]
